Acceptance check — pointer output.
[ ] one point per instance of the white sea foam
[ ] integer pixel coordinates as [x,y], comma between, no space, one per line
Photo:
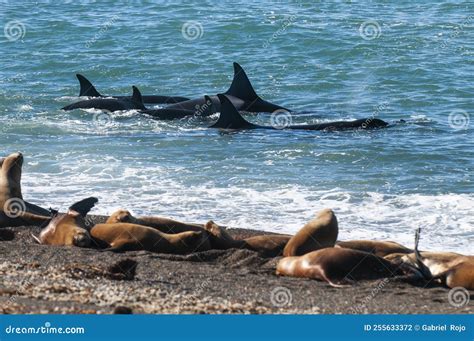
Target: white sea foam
[447,219]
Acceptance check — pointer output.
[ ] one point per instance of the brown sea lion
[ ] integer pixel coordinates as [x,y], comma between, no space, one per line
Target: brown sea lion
[269,245]
[319,233]
[164,225]
[378,248]
[128,237]
[338,266]
[68,228]
[449,268]
[14,211]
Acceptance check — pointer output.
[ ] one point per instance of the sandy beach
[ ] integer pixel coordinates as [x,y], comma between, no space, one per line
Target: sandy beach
[47,279]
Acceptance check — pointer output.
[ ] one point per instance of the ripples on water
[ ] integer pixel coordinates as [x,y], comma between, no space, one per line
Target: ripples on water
[382,184]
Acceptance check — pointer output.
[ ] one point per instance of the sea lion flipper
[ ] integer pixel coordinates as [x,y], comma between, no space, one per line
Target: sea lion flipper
[425,271]
[84,206]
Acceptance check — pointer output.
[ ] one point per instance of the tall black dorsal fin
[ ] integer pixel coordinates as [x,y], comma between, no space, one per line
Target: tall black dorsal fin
[84,206]
[229,118]
[137,98]
[241,86]
[87,89]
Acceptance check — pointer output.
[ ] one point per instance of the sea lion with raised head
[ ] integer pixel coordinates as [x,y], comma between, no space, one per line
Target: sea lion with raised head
[339,266]
[162,224]
[268,245]
[376,247]
[14,211]
[319,233]
[69,228]
[130,237]
[449,268]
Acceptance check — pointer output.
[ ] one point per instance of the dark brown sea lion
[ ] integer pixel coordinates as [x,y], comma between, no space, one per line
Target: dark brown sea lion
[68,228]
[14,211]
[319,233]
[164,225]
[128,237]
[269,245]
[378,248]
[449,268]
[338,266]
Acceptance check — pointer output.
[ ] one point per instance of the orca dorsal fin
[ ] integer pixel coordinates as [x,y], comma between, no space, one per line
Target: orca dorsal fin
[137,97]
[84,206]
[87,89]
[241,86]
[229,118]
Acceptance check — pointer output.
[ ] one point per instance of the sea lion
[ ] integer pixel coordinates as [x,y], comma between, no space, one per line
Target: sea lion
[128,237]
[449,268]
[319,233]
[339,266]
[267,245]
[164,225]
[378,248]
[69,228]
[14,211]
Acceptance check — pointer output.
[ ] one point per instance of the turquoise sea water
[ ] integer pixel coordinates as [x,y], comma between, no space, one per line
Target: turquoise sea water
[325,61]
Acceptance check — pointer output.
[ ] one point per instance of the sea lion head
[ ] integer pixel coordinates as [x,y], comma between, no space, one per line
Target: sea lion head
[120,216]
[69,228]
[65,229]
[11,171]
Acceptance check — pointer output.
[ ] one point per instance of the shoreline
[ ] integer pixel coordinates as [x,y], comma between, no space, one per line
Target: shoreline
[72,280]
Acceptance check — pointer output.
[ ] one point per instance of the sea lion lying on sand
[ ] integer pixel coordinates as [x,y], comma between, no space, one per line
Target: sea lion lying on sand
[68,228]
[268,245]
[128,237]
[14,211]
[319,233]
[340,266]
[449,268]
[164,225]
[378,248]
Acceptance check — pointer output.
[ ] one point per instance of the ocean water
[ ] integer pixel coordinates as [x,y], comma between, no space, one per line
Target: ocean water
[325,61]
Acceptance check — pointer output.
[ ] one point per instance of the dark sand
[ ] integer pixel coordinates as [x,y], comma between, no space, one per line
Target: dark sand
[47,279]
